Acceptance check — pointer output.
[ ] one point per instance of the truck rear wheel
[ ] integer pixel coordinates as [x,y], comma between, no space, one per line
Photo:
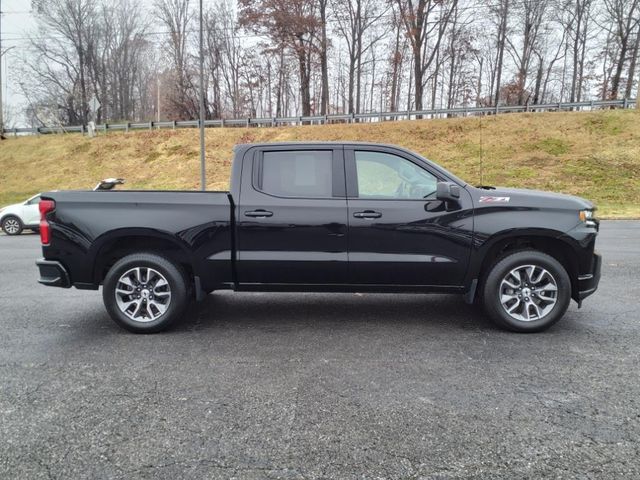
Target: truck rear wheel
[526,291]
[145,292]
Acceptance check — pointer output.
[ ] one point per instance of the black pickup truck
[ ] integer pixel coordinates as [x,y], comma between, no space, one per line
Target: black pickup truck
[339,217]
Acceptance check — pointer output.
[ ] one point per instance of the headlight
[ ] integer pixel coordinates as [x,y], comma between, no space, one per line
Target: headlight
[588,217]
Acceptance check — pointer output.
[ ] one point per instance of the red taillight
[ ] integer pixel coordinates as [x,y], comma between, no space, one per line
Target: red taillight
[46,206]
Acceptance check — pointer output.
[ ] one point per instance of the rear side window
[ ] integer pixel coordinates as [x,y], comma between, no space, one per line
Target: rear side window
[301,173]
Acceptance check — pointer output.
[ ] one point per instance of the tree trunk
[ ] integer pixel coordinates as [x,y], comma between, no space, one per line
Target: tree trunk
[417,76]
[395,71]
[617,76]
[324,96]
[502,33]
[632,66]
[305,87]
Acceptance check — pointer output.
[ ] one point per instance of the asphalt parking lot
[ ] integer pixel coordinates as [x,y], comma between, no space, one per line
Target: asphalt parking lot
[302,386]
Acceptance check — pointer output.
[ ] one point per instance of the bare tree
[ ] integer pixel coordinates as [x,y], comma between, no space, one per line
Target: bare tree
[501,14]
[324,64]
[623,17]
[291,24]
[575,18]
[63,61]
[354,19]
[176,16]
[529,15]
[425,23]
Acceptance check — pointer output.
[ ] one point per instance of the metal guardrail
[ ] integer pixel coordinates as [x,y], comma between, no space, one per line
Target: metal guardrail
[325,119]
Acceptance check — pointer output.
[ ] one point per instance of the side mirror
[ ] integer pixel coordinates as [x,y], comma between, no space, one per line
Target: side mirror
[448,191]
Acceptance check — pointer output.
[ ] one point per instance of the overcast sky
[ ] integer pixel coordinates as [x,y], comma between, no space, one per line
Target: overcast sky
[17,23]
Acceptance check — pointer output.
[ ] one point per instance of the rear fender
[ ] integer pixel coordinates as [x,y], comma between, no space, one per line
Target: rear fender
[135,239]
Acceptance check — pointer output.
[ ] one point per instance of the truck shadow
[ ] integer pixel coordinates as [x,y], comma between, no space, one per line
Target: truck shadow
[292,310]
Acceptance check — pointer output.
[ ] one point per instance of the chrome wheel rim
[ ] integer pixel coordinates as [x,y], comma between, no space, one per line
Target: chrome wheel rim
[143,294]
[11,226]
[528,293]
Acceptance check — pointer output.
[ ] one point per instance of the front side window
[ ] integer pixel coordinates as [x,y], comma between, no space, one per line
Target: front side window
[302,173]
[387,176]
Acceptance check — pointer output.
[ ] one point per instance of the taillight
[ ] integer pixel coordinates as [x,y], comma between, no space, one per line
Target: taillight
[46,206]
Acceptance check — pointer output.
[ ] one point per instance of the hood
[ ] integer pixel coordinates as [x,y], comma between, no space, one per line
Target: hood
[520,197]
[10,207]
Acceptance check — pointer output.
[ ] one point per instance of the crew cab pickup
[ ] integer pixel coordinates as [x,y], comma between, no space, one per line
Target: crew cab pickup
[340,217]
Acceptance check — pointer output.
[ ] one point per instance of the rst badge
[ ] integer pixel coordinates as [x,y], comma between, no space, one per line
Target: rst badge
[494,199]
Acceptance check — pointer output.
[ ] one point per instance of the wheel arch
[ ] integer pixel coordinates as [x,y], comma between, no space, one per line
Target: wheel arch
[11,214]
[108,249]
[545,241]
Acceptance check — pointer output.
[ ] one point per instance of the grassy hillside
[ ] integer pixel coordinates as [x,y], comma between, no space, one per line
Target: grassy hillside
[595,155]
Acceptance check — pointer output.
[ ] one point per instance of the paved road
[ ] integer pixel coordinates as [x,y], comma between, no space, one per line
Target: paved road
[319,386]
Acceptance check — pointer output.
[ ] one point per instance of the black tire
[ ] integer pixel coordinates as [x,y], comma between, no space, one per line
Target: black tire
[12,225]
[500,269]
[178,289]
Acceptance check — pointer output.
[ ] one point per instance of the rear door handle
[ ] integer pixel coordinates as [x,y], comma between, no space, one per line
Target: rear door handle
[258,213]
[367,214]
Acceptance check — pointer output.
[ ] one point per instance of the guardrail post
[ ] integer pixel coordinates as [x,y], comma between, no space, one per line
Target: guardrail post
[248,122]
[273,121]
[497,109]
[126,128]
[625,104]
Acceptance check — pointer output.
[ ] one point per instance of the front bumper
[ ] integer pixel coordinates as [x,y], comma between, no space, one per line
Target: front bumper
[588,283]
[53,274]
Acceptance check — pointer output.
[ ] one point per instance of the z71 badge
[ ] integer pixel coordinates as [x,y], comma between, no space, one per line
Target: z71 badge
[494,199]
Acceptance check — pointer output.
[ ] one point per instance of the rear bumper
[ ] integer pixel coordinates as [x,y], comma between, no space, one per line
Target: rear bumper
[588,283]
[53,274]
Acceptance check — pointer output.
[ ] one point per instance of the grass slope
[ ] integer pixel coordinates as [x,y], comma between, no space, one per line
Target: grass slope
[595,155]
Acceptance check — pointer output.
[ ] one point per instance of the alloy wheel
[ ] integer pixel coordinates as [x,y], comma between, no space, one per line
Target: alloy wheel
[528,293]
[143,294]
[11,226]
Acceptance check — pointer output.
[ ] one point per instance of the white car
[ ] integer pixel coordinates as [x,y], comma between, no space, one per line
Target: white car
[17,217]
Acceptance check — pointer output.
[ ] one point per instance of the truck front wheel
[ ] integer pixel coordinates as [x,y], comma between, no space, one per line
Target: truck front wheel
[526,291]
[145,292]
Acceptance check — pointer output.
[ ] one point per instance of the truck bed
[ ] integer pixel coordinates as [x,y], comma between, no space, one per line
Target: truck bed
[86,224]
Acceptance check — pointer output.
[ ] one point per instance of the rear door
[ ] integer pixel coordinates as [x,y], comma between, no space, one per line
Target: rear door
[292,216]
[399,233]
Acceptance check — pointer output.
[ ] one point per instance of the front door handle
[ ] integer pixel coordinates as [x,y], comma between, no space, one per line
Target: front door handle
[367,214]
[258,213]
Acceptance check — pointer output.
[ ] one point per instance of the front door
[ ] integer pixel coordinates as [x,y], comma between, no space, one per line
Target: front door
[292,217]
[399,233]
